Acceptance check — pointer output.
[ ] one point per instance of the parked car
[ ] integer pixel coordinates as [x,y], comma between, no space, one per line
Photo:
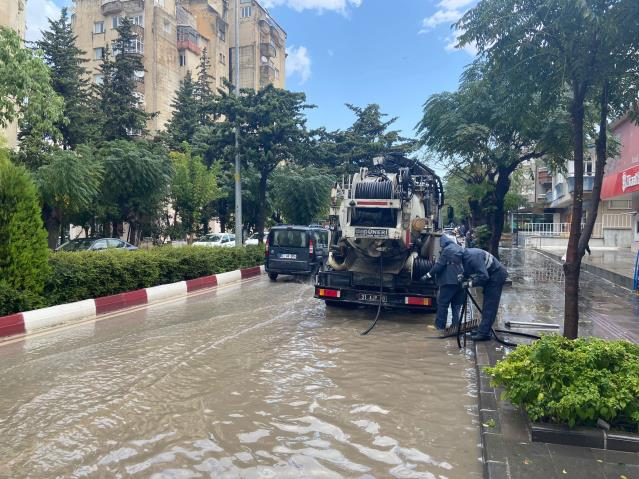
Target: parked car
[295,250]
[255,238]
[95,244]
[225,240]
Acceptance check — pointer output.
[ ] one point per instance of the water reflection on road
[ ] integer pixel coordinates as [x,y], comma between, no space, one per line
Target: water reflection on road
[253,381]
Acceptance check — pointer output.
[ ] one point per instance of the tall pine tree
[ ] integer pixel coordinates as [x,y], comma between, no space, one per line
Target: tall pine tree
[69,80]
[123,114]
[184,121]
[203,93]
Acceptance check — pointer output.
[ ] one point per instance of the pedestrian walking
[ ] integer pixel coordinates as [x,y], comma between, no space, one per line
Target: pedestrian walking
[446,271]
[486,271]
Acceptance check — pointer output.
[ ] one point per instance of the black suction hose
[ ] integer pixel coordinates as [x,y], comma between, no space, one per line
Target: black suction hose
[379,304]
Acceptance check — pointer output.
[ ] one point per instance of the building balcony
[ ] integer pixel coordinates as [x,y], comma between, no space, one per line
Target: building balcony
[110,7]
[189,45]
[138,30]
[265,26]
[589,182]
[549,196]
[275,35]
[267,50]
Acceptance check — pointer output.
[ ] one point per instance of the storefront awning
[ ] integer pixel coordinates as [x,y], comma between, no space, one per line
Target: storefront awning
[620,183]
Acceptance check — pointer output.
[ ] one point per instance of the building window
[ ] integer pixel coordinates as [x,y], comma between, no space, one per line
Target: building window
[182,59]
[115,22]
[277,74]
[245,12]
[98,53]
[620,204]
[588,167]
[167,27]
[98,27]
[137,20]
[98,79]
[222,59]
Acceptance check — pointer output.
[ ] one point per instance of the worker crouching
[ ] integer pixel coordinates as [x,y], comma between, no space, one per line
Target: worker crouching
[486,271]
[445,271]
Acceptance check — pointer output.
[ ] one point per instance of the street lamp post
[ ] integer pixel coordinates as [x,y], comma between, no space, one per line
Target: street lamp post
[239,239]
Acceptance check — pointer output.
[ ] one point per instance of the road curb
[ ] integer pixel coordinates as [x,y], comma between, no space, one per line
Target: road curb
[30,321]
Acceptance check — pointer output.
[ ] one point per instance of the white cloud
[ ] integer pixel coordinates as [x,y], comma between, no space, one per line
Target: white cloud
[298,63]
[448,12]
[340,6]
[38,11]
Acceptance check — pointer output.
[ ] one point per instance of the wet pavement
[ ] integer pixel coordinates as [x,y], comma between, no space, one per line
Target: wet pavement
[537,295]
[255,380]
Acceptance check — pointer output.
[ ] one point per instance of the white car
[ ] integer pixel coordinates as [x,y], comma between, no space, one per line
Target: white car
[255,238]
[224,240]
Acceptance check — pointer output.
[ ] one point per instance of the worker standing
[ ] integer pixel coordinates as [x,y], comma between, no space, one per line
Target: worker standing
[446,271]
[486,271]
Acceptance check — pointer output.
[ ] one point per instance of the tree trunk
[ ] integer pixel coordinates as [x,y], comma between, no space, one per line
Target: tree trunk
[53,228]
[600,164]
[261,207]
[475,213]
[572,265]
[114,230]
[497,224]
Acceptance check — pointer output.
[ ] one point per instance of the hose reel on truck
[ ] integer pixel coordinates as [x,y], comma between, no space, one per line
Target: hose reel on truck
[387,215]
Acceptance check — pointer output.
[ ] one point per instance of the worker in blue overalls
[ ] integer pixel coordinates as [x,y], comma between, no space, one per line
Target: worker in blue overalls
[446,272]
[486,271]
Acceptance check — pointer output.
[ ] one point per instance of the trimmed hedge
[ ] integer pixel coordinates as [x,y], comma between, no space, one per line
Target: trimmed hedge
[85,275]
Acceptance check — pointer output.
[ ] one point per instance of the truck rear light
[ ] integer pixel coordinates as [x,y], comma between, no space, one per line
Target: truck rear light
[415,301]
[310,248]
[328,293]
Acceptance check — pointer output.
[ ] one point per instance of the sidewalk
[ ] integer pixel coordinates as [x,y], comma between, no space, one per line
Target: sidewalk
[617,266]
[536,295]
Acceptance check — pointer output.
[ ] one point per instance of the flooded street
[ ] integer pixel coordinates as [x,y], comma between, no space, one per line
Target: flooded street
[255,380]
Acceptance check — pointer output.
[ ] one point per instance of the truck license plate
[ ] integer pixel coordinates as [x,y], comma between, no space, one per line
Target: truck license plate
[371,297]
[288,256]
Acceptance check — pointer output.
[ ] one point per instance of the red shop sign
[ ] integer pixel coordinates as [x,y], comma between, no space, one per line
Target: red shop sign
[618,184]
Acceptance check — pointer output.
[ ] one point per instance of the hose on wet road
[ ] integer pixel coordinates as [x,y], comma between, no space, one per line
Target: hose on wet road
[379,304]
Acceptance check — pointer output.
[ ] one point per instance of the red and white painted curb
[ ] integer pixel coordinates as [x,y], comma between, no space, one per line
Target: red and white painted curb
[30,321]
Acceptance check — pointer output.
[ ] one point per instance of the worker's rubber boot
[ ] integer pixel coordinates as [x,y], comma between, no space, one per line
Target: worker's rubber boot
[477,336]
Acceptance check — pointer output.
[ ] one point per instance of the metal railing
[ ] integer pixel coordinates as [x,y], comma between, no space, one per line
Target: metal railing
[555,230]
[619,221]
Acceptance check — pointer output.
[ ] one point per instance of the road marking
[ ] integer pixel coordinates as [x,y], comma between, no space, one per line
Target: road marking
[64,327]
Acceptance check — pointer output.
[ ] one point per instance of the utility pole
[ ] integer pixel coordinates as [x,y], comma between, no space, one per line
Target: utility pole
[239,240]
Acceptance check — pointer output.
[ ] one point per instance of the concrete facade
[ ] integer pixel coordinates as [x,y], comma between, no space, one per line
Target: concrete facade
[172,35]
[13,15]
[262,47]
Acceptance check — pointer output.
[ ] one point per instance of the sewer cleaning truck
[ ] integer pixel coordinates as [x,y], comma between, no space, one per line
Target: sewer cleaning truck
[384,230]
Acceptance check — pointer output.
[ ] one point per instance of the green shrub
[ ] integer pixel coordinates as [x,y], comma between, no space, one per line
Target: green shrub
[23,240]
[12,300]
[83,275]
[482,236]
[573,382]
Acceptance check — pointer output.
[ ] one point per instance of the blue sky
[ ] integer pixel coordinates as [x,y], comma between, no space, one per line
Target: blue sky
[392,52]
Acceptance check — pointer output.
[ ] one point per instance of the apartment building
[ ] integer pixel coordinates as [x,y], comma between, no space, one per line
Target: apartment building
[262,47]
[171,35]
[12,15]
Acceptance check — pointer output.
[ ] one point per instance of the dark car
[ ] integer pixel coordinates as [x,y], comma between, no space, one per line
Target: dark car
[295,250]
[95,244]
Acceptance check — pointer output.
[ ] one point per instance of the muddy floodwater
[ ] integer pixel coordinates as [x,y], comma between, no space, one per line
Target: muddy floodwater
[256,380]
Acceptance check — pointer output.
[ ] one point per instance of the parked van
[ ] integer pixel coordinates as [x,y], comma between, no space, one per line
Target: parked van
[295,250]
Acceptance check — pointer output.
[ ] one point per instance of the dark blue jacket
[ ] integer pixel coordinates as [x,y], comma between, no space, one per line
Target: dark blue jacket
[449,263]
[479,265]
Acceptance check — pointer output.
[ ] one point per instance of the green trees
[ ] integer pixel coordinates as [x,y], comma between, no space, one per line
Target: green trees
[69,80]
[184,121]
[122,113]
[193,187]
[23,241]
[25,87]
[69,185]
[584,49]
[302,194]
[487,127]
[135,184]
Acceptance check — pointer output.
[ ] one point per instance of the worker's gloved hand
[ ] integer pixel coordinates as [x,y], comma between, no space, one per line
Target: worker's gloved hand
[425,278]
[467,284]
